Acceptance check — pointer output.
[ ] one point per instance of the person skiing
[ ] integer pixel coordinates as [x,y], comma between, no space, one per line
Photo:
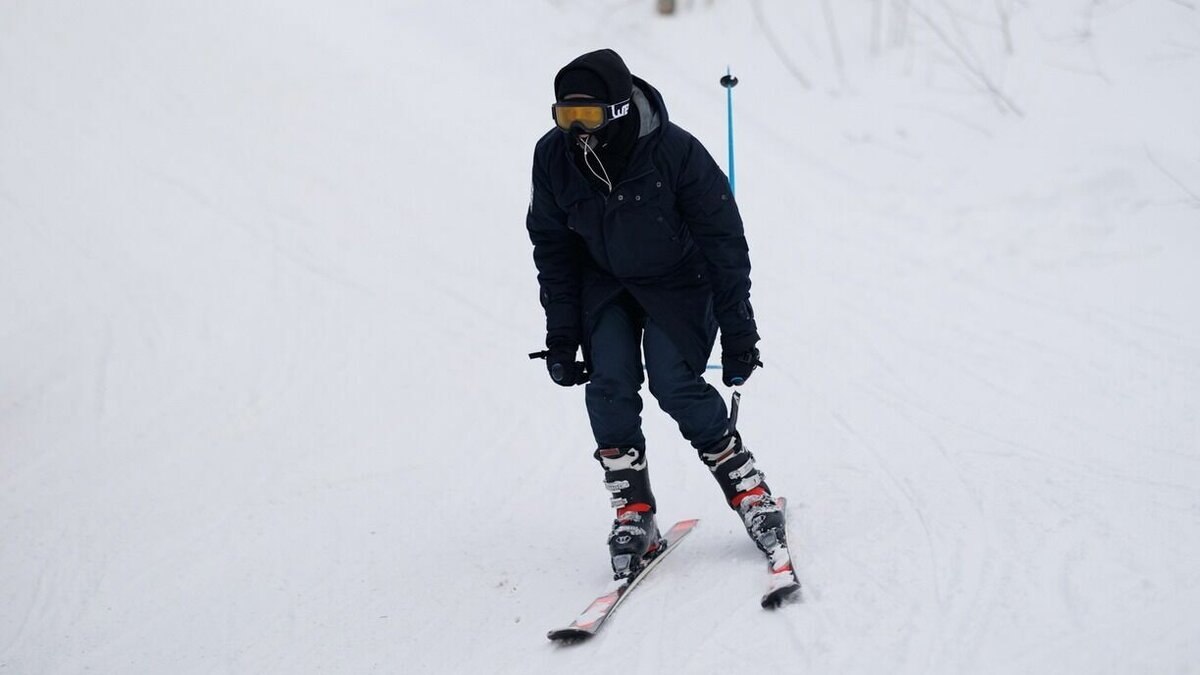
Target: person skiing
[640,249]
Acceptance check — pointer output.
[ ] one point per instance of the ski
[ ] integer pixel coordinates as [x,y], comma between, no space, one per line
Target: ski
[587,623]
[783,582]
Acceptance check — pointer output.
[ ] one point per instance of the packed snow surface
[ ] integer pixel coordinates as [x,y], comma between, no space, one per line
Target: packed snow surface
[266,296]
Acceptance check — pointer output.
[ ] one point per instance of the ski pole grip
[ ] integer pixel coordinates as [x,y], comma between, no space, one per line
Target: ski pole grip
[540,355]
[734,402]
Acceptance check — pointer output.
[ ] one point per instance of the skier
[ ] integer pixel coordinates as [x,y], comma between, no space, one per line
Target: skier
[640,249]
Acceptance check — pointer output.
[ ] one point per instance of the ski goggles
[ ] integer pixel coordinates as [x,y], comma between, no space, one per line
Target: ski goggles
[588,116]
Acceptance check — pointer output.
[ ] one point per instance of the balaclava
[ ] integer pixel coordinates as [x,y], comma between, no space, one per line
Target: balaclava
[603,76]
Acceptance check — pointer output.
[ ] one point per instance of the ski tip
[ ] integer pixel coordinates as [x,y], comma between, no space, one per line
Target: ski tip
[568,636]
[775,599]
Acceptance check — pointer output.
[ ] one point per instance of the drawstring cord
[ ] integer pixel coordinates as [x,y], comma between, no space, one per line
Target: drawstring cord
[589,152]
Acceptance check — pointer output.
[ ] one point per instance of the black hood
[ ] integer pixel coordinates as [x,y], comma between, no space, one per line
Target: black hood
[601,74]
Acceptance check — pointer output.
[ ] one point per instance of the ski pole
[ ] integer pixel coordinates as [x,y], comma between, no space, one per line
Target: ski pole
[729,82]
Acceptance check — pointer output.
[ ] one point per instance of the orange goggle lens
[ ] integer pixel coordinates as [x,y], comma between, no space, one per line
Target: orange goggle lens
[587,115]
[590,117]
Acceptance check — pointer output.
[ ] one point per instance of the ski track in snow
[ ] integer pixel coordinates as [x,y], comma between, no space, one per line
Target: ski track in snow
[265,303]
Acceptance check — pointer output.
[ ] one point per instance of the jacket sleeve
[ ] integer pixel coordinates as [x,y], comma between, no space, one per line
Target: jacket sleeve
[707,205]
[557,253]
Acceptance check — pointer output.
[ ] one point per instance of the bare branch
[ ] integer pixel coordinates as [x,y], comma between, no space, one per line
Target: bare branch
[834,41]
[973,69]
[775,45]
[1005,15]
[964,41]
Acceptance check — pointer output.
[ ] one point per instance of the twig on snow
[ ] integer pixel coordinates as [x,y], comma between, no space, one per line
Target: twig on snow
[1149,155]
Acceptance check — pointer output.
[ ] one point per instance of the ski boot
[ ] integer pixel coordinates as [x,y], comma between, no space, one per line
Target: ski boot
[745,488]
[634,539]
[633,542]
[763,520]
[732,464]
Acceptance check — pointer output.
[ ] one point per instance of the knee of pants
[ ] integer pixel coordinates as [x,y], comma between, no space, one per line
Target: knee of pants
[611,385]
[674,390]
[616,416]
[616,401]
[616,374]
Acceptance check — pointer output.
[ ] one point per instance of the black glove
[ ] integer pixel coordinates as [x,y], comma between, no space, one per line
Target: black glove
[737,364]
[562,366]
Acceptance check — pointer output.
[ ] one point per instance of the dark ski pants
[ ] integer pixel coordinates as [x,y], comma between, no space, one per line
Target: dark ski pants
[622,333]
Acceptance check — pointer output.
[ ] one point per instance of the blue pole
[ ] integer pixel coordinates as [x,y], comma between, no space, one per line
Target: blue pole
[729,82]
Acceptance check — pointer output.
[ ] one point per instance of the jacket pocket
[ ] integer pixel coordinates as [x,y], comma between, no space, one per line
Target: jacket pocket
[650,236]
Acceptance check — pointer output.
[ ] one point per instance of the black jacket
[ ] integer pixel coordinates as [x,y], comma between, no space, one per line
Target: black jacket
[670,234]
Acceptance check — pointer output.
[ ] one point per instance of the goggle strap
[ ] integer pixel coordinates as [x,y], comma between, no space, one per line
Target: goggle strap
[617,110]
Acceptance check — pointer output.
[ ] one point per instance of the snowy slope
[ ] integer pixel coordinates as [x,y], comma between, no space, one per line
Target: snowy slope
[265,296]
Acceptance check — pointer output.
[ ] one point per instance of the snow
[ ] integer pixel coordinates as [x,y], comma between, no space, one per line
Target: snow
[266,295]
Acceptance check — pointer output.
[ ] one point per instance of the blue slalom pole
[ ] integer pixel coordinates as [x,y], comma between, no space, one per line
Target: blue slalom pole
[729,82]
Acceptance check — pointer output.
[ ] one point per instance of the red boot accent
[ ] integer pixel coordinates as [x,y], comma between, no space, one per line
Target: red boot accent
[639,507]
[737,500]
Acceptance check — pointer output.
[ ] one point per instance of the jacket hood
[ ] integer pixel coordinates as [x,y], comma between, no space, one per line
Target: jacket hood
[651,109]
[653,114]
